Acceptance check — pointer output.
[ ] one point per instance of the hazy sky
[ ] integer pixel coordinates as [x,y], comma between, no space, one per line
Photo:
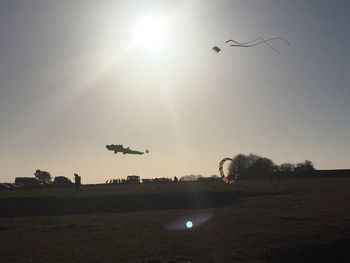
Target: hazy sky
[72,80]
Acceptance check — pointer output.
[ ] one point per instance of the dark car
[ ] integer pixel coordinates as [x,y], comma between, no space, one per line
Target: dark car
[19,185]
[4,187]
[13,186]
[29,182]
[133,179]
[62,181]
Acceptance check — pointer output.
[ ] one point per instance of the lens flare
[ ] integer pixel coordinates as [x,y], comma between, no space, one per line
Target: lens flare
[189,224]
[189,220]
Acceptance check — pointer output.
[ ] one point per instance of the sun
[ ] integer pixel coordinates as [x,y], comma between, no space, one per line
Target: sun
[150,32]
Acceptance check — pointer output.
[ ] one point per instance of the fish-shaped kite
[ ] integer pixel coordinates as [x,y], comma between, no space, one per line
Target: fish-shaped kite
[120,148]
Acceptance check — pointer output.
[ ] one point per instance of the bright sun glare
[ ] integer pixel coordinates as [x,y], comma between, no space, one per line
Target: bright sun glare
[150,32]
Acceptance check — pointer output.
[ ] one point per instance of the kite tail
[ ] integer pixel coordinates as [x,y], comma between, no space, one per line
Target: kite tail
[257,41]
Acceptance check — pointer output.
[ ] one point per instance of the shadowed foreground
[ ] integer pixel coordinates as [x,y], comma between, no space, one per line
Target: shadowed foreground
[254,221]
[49,206]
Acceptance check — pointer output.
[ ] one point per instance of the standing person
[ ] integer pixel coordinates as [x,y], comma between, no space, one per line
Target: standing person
[77,182]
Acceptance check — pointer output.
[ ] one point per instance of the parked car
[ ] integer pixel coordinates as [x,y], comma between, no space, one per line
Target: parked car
[47,184]
[29,182]
[133,179]
[4,187]
[62,181]
[13,186]
[19,185]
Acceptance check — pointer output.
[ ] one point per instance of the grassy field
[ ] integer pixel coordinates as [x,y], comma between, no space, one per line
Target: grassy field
[305,220]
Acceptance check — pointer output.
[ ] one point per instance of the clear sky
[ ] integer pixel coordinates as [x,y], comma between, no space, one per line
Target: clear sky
[73,79]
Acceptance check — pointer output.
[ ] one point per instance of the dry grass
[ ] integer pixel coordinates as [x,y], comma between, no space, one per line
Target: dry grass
[262,221]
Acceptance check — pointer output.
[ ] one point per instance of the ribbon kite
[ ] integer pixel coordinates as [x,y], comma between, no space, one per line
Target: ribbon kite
[252,43]
[222,174]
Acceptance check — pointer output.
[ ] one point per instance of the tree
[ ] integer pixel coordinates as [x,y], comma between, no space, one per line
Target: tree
[260,167]
[250,166]
[191,177]
[252,158]
[212,178]
[238,165]
[286,167]
[309,166]
[255,166]
[43,176]
[305,167]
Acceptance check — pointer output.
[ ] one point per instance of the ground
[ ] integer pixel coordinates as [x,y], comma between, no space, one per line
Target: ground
[300,220]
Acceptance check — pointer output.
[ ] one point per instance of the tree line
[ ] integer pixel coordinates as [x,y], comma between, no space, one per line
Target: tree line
[255,166]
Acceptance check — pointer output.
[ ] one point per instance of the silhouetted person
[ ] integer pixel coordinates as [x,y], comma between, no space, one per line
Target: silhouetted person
[175,179]
[77,182]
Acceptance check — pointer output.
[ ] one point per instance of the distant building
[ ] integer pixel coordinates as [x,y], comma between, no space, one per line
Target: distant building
[333,173]
[314,173]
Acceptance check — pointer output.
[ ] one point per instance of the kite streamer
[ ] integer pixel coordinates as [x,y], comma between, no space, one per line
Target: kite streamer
[257,41]
[252,43]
